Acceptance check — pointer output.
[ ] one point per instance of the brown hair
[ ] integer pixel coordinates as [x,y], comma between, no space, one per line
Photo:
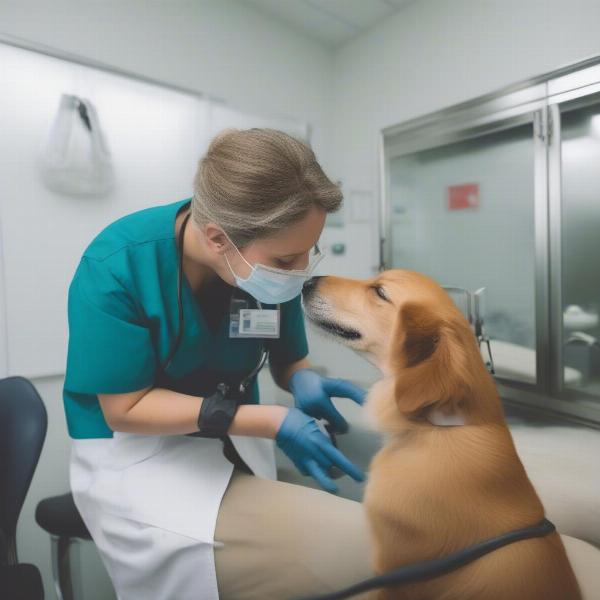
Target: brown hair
[254,182]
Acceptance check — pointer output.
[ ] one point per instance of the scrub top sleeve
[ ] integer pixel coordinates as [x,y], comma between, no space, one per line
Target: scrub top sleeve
[110,350]
[291,344]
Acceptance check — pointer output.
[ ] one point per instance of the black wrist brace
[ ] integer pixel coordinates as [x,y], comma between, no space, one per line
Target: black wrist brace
[216,414]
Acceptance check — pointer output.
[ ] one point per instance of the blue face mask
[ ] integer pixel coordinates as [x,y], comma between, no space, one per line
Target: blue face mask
[274,286]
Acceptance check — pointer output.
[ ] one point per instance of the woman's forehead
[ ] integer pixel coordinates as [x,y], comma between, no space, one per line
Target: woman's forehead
[297,238]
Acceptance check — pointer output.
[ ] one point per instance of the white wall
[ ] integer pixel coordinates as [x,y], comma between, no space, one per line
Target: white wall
[436,53]
[221,47]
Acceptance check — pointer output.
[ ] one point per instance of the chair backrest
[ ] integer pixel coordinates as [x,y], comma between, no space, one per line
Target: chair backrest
[23,424]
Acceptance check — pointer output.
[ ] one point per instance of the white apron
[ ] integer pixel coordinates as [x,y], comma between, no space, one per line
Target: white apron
[151,506]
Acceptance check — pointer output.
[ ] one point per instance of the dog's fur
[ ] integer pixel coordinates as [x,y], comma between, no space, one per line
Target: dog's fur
[433,489]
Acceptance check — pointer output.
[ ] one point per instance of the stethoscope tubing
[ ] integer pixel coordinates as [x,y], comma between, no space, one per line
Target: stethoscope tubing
[264,352]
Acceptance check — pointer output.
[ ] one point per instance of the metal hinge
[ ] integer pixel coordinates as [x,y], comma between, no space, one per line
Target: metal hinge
[382,257]
[543,125]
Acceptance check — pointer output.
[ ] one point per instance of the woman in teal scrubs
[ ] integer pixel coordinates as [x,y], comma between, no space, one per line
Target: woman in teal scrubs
[161,427]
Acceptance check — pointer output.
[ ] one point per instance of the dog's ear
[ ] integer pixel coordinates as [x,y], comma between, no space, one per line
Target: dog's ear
[432,359]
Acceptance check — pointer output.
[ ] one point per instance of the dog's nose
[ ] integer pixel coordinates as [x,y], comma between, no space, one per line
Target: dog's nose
[309,286]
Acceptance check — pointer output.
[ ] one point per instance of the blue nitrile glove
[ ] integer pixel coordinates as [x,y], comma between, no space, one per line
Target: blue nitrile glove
[311,450]
[312,395]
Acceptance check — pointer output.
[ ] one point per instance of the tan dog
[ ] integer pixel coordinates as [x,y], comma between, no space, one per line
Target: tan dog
[448,475]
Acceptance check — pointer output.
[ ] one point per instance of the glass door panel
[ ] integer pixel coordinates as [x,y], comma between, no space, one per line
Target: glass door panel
[464,214]
[580,245]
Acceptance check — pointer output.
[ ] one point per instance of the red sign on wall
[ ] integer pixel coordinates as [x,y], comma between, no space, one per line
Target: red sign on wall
[463,196]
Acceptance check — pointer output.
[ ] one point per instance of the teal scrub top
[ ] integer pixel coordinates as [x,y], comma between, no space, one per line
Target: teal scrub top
[123,317]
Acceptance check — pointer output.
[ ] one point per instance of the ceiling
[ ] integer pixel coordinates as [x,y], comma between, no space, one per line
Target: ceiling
[331,22]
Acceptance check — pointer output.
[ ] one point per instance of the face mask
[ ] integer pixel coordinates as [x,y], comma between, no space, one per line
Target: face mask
[274,286]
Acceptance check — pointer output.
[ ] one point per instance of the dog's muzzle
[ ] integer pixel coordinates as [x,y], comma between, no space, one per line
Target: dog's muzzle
[318,312]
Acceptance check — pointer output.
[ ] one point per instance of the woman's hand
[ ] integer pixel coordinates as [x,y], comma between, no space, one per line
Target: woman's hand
[311,450]
[312,395]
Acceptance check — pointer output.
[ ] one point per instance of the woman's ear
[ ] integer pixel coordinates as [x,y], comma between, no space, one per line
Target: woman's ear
[432,360]
[215,238]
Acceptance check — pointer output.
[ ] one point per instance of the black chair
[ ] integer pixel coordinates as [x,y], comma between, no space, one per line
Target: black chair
[59,516]
[21,582]
[23,425]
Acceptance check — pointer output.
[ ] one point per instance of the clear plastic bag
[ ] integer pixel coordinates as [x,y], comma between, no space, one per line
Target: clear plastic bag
[76,159]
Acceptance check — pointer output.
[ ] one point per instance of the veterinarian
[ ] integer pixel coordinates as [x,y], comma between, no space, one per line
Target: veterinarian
[171,311]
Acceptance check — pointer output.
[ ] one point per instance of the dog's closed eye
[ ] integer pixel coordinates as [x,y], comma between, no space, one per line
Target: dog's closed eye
[381,293]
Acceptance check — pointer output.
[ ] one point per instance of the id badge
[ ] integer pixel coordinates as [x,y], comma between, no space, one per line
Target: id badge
[247,322]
